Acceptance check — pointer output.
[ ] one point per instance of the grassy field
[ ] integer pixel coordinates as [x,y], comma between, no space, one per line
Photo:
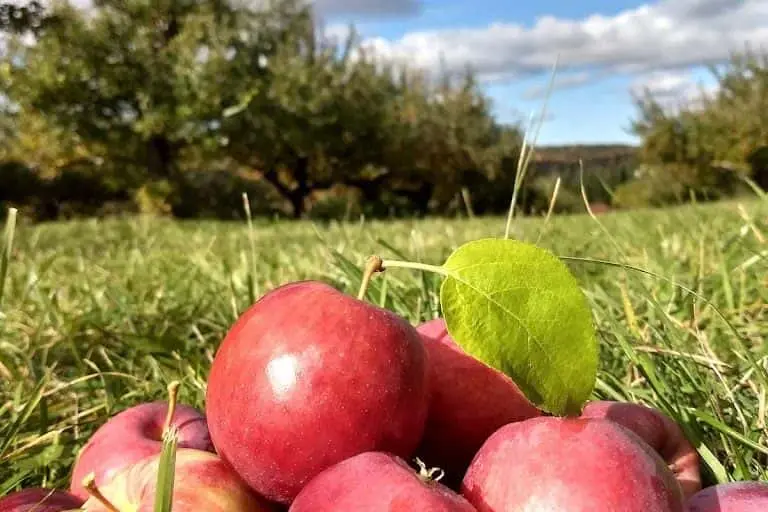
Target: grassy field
[98,315]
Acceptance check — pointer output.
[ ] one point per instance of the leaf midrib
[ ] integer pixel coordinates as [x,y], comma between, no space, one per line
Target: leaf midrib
[454,275]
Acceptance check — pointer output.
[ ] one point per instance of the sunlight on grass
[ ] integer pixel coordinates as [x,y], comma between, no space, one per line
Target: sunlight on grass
[102,314]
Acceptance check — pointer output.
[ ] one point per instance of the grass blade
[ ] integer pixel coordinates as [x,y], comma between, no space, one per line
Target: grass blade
[8,434]
[166,471]
[5,256]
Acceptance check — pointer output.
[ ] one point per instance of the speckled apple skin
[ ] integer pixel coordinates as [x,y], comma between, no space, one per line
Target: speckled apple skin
[469,401]
[39,499]
[553,464]
[309,376]
[202,482]
[132,435]
[376,482]
[660,432]
[731,497]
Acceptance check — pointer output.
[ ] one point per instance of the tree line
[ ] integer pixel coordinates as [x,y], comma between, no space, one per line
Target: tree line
[708,147]
[180,106]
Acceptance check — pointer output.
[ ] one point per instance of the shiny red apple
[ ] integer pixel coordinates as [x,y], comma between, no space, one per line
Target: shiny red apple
[377,482]
[202,482]
[38,499]
[731,497]
[309,376]
[658,430]
[469,401]
[554,464]
[132,435]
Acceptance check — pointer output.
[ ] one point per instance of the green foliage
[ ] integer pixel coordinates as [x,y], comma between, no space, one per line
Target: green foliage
[538,196]
[314,120]
[17,17]
[144,104]
[704,149]
[131,89]
[517,307]
[145,92]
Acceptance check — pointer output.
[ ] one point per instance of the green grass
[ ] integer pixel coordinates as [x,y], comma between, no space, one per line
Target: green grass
[99,315]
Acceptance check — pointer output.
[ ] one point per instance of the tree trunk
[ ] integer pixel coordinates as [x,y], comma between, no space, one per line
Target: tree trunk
[160,157]
[370,189]
[297,205]
[295,196]
[419,197]
[299,194]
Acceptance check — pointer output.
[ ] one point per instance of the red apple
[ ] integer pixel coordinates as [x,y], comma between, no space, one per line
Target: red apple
[309,376]
[658,430]
[377,482]
[552,464]
[132,435]
[38,499]
[202,481]
[731,497]
[469,401]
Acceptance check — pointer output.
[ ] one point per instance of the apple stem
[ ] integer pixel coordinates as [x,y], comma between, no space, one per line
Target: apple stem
[376,264]
[372,266]
[89,483]
[427,475]
[173,395]
[437,269]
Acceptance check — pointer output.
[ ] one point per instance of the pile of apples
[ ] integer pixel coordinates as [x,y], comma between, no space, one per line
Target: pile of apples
[318,401]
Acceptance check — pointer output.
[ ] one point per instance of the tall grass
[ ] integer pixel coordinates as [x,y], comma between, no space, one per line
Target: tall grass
[98,315]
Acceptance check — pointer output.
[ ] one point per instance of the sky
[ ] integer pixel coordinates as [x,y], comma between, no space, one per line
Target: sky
[604,50]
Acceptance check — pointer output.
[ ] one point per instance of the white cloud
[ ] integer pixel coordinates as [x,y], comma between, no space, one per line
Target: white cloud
[664,84]
[670,34]
[336,31]
[560,82]
[673,88]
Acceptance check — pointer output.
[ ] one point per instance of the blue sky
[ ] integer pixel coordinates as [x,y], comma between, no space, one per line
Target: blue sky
[606,48]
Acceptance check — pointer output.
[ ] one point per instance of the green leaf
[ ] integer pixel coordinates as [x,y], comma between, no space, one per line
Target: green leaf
[166,471]
[517,308]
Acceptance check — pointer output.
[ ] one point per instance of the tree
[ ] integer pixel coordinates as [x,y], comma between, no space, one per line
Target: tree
[316,119]
[705,147]
[444,138]
[22,19]
[143,94]
[137,81]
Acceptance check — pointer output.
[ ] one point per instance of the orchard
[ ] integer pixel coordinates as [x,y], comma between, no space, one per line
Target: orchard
[320,401]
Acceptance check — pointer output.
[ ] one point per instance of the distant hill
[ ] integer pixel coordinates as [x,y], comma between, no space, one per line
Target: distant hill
[587,152]
[604,159]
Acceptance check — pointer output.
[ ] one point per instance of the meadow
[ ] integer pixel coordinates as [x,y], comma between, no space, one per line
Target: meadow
[97,315]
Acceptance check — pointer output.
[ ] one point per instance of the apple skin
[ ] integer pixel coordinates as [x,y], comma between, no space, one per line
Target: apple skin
[309,376]
[557,464]
[469,401]
[202,482]
[39,499]
[376,482]
[660,431]
[731,497]
[133,434]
